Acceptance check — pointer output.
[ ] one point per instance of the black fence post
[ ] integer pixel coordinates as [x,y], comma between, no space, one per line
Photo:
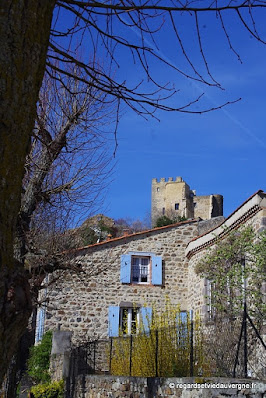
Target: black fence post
[245,336]
[245,341]
[238,347]
[110,359]
[156,352]
[191,345]
[94,356]
[130,355]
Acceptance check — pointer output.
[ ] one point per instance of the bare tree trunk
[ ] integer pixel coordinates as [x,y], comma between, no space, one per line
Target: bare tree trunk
[24,34]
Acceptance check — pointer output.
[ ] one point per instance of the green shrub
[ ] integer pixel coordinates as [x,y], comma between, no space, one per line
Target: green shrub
[49,390]
[165,220]
[39,360]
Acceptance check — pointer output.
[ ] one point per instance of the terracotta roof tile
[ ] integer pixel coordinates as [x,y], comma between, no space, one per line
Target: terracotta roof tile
[125,237]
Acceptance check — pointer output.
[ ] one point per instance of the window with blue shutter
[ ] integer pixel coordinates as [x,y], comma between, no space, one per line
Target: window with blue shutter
[157,270]
[141,268]
[146,314]
[113,321]
[125,269]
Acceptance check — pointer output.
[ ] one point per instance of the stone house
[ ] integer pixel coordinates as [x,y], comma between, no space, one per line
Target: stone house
[123,276]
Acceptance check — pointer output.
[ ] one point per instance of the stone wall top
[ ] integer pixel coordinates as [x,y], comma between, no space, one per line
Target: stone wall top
[153,387]
[170,179]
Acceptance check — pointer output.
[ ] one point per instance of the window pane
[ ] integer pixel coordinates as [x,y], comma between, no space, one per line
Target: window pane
[134,321]
[144,270]
[124,320]
[144,260]
[135,260]
[140,269]
[128,320]
[144,273]
[144,278]
[135,273]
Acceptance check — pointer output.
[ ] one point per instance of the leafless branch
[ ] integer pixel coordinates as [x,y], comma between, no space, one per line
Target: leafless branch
[134,27]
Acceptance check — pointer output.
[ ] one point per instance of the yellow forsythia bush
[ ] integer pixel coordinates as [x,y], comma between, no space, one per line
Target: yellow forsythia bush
[168,339]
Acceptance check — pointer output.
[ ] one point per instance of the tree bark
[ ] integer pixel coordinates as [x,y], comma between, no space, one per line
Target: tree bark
[24,34]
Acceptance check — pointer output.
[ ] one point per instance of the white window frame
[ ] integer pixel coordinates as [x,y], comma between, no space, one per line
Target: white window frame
[139,281]
[129,310]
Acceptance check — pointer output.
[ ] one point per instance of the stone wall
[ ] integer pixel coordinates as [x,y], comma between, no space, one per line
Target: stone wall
[197,287]
[209,225]
[60,355]
[79,302]
[208,206]
[202,206]
[151,387]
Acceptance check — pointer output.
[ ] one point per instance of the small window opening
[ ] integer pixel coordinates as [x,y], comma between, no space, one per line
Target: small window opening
[129,320]
[176,206]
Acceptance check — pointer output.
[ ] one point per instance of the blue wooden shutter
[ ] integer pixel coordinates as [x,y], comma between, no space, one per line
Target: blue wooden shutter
[125,271]
[157,270]
[146,313]
[113,321]
[183,318]
[40,324]
[182,331]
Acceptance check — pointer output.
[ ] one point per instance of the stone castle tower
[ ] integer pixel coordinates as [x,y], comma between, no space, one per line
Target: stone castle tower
[175,198]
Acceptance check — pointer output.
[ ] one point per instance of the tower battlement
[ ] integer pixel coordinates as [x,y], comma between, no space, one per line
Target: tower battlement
[169,179]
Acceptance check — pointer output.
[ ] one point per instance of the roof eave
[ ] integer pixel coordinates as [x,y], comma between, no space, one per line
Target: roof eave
[246,210]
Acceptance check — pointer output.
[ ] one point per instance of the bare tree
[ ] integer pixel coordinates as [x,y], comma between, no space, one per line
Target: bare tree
[105,29]
[67,167]
[66,172]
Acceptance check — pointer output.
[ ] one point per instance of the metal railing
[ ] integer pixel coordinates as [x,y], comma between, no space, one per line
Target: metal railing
[215,349]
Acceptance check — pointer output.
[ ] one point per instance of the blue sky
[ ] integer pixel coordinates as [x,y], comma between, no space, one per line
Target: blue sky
[218,152]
